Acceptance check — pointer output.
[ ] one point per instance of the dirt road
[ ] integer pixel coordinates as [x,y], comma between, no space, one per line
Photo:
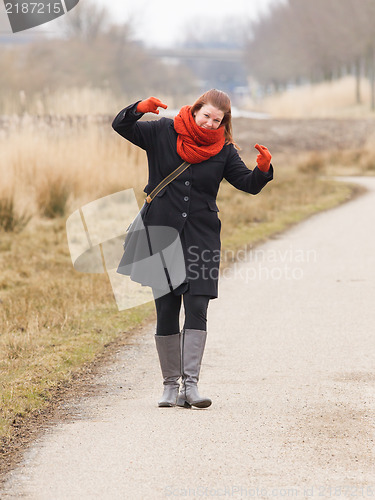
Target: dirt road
[289,365]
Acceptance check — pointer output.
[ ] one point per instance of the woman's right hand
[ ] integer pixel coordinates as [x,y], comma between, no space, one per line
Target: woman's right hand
[150,105]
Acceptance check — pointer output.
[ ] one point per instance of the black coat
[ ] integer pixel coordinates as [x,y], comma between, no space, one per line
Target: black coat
[188,204]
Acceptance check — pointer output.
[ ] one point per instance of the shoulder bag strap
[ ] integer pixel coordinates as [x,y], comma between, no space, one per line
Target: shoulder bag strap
[171,177]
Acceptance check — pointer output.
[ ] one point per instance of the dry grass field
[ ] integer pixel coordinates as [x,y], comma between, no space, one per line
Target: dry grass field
[324,100]
[54,321]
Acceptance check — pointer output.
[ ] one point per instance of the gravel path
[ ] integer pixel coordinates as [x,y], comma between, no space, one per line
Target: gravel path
[289,365]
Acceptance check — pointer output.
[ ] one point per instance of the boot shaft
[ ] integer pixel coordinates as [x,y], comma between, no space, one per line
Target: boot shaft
[192,348]
[169,352]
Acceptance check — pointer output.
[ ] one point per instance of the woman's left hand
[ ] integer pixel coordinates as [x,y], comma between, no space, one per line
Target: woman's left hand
[150,105]
[263,158]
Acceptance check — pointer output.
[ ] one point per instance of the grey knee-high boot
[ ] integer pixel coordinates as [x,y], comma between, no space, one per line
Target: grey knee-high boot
[192,348]
[169,352]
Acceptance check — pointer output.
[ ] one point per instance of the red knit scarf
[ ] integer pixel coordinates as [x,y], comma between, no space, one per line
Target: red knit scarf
[194,143]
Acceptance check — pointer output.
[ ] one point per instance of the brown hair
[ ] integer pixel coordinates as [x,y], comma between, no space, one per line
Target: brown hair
[219,100]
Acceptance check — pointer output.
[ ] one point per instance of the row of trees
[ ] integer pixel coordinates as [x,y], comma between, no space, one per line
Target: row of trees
[298,41]
[309,41]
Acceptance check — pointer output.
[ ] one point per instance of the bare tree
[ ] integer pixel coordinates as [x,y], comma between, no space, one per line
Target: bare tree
[86,21]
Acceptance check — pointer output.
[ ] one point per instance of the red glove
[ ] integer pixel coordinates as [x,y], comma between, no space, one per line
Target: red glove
[263,158]
[150,105]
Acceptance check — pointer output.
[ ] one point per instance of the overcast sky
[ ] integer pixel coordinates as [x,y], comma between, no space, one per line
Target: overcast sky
[160,22]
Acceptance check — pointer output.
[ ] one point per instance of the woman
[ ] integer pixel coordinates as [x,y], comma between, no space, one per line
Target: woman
[201,135]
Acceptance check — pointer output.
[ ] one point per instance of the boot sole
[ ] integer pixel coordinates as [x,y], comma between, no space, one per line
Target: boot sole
[199,404]
[202,404]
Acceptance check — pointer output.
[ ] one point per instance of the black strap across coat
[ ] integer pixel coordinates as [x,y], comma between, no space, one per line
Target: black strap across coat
[188,204]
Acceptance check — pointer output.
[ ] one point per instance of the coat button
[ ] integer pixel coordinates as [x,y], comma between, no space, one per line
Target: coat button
[187,183]
[186,198]
[184,214]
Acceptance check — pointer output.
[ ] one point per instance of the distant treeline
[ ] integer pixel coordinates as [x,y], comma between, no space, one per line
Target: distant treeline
[313,40]
[297,42]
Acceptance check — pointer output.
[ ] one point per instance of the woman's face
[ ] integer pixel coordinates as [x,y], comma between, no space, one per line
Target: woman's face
[209,117]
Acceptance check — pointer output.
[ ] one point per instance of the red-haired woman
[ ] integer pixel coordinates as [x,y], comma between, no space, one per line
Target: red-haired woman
[202,136]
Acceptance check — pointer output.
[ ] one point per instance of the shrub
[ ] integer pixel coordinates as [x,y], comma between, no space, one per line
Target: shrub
[53,197]
[10,219]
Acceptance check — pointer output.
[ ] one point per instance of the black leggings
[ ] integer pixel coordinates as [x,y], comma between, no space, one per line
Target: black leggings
[168,313]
